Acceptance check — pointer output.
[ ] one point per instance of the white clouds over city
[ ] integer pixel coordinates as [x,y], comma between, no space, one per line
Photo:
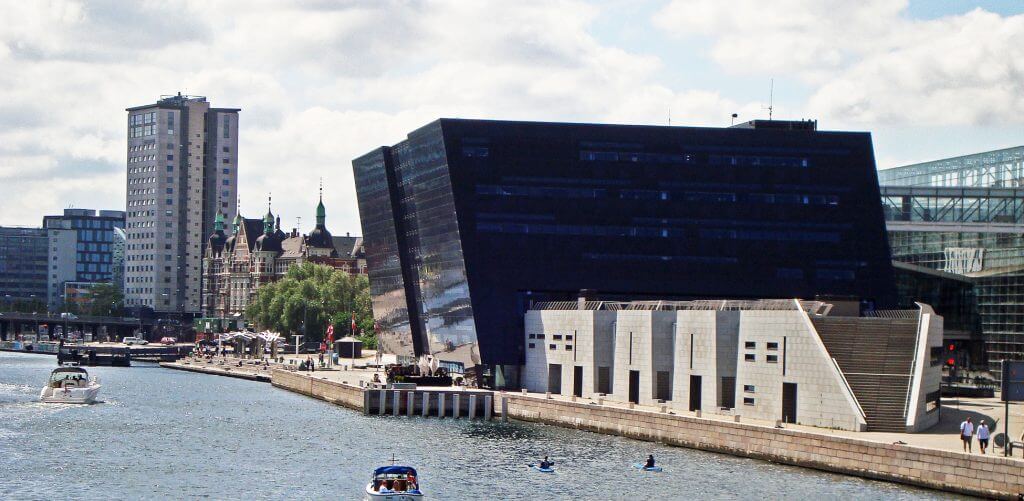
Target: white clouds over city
[320,82]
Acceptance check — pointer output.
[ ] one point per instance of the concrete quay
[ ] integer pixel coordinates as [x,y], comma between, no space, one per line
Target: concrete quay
[987,476]
[250,372]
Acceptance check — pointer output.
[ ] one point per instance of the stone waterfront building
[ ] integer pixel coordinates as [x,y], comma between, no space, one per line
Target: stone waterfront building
[258,252]
[805,362]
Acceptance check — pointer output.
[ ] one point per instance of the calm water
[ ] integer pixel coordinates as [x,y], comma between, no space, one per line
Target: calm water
[164,434]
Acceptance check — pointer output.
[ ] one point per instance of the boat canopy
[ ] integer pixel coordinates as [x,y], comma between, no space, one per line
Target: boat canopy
[70,369]
[394,470]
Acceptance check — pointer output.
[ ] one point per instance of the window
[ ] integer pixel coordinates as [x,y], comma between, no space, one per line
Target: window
[748,401]
[556,337]
[227,128]
[568,347]
[226,149]
[749,357]
[540,336]
[226,161]
[170,157]
[170,202]
[568,337]
[748,388]
[170,168]
[750,345]
[226,171]
[773,359]
[226,182]
[532,345]
[773,346]
[552,347]
[170,191]
[533,336]
[170,179]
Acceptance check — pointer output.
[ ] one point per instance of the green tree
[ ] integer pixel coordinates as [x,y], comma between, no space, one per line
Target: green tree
[104,300]
[314,295]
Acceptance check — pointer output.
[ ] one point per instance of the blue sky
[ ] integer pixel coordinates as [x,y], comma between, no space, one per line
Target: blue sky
[321,82]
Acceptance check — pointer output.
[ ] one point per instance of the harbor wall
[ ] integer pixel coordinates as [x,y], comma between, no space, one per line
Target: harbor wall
[330,391]
[988,476]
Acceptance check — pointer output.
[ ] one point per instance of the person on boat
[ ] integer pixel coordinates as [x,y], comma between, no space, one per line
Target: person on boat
[384,489]
[650,461]
[545,463]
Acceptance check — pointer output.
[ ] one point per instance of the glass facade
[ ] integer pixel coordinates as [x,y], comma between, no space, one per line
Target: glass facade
[95,247]
[965,216]
[480,218]
[23,264]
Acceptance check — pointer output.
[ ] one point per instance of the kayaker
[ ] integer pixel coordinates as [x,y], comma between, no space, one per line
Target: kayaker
[545,463]
[650,461]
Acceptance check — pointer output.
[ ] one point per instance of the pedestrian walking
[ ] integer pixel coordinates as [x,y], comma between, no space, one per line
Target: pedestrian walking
[982,436]
[966,432]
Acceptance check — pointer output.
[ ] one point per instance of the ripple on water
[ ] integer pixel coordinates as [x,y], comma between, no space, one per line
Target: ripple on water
[166,434]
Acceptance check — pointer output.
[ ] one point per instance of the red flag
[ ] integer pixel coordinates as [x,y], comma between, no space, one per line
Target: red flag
[330,333]
[353,323]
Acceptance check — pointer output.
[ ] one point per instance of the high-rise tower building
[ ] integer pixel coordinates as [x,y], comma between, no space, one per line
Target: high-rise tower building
[182,170]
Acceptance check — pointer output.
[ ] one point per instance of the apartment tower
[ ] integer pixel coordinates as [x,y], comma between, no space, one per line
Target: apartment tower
[182,170]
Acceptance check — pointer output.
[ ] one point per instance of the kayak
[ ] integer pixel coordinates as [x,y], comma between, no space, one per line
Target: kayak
[640,466]
[542,470]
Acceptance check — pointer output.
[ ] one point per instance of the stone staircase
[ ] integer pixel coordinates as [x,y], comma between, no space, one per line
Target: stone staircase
[876,356]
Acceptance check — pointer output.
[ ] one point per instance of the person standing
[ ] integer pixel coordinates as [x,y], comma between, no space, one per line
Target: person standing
[982,436]
[966,432]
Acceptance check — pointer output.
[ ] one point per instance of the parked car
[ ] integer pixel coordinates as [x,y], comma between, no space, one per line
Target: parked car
[168,340]
[130,340]
[69,316]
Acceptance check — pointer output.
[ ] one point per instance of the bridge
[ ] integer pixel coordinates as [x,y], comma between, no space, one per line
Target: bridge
[14,323]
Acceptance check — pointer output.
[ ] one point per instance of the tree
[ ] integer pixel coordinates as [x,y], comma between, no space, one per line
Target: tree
[104,300]
[314,295]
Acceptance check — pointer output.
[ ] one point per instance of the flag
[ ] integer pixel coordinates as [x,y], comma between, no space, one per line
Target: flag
[330,333]
[353,323]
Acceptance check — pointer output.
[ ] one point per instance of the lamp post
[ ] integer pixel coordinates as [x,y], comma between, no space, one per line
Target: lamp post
[35,314]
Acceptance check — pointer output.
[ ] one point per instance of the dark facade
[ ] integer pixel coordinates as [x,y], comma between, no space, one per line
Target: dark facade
[467,222]
[95,246]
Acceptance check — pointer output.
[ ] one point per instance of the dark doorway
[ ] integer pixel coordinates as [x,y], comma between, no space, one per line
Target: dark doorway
[604,380]
[555,378]
[577,381]
[634,387]
[789,403]
[663,386]
[695,385]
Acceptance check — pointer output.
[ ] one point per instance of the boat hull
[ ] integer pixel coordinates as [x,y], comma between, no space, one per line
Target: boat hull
[86,395]
[392,496]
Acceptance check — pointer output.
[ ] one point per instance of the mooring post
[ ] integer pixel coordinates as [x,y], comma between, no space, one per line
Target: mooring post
[455,406]
[396,407]
[488,402]
[504,408]
[383,402]
[426,403]
[440,404]
[472,407]
[411,403]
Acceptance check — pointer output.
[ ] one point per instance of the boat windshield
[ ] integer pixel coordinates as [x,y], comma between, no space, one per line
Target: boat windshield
[58,376]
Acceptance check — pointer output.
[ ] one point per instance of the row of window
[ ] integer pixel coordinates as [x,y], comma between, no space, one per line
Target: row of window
[142,180]
[92,247]
[141,158]
[149,145]
[664,195]
[142,118]
[555,337]
[145,168]
[92,267]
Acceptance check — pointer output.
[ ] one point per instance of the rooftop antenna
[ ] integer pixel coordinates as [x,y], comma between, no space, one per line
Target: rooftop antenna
[298,221]
[771,96]
[670,117]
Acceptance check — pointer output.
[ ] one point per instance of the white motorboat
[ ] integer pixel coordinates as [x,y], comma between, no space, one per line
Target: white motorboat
[70,385]
[394,483]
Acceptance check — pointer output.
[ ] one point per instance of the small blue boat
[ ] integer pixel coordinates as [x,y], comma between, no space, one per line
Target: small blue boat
[640,466]
[542,470]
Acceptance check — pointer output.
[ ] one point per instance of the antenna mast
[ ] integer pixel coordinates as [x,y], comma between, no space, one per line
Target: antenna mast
[771,96]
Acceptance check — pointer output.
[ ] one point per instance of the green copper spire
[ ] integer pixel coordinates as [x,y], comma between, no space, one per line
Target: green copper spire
[321,212]
[218,222]
[268,220]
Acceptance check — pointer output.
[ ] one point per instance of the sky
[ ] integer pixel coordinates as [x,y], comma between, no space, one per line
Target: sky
[321,82]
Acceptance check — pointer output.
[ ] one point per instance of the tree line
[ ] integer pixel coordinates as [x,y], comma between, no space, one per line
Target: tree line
[313,296]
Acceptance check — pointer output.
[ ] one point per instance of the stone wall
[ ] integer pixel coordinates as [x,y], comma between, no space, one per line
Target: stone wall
[990,476]
[330,391]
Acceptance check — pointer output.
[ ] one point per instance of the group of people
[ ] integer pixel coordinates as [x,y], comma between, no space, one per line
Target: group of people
[967,432]
[396,485]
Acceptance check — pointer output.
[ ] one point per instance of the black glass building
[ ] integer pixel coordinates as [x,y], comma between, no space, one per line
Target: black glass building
[468,221]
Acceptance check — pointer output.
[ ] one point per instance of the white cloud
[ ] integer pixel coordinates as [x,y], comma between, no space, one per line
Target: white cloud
[867,62]
[319,83]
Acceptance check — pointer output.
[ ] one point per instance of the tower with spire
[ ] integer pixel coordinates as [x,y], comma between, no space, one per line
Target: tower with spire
[320,243]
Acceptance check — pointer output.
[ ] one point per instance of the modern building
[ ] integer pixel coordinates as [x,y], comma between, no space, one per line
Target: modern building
[468,222]
[963,217]
[257,252]
[802,362]
[182,171]
[117,256]
[96,240]
[35,263]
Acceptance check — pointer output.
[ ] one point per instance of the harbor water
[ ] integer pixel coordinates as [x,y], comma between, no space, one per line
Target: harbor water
[164,434]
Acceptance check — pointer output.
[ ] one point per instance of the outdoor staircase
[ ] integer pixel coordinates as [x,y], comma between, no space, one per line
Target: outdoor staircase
[876,356]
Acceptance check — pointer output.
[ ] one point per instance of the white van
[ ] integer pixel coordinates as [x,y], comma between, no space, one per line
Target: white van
[130,340]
